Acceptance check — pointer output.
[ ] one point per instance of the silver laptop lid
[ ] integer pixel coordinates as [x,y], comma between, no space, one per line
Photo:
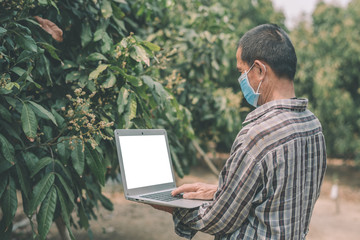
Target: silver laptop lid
[144,159]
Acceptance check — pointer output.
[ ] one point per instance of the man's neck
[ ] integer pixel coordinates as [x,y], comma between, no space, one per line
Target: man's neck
[280,88]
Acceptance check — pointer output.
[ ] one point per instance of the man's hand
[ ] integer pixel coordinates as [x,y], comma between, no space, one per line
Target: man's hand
[199,191]
[163,208]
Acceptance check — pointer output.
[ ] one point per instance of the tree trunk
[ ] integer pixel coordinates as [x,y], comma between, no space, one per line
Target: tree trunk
[206,159]
[64,234]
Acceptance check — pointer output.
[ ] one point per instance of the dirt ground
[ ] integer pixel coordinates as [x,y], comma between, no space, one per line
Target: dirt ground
[133,221]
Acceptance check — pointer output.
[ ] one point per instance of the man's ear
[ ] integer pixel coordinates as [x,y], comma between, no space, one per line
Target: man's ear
[262,68]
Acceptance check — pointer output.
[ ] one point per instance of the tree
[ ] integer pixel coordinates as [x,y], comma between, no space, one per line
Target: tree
[201,40]
[71,72]
[328,75]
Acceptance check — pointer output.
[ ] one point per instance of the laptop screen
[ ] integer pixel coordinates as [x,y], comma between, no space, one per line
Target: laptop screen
[146,160]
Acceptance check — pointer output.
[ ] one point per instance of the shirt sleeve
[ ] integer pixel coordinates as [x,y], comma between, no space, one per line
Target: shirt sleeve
[238,184]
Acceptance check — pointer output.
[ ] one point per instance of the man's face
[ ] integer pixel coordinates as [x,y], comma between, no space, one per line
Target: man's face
[240,65]
[243,66]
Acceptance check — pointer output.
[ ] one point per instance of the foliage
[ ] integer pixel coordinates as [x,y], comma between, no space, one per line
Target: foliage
[200,38]
[328,74]
[60,102]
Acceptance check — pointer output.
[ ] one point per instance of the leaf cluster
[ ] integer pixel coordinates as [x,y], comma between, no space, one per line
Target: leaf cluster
[201,39]
[61,100]
[328,74]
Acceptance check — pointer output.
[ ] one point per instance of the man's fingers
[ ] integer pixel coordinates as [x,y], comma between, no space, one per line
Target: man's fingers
[192,195]
[185,188]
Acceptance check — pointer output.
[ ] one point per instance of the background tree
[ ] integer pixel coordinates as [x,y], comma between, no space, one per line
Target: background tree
[328,75]
[200,39]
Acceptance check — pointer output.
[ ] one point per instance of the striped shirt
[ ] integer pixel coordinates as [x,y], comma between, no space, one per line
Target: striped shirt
[269,185]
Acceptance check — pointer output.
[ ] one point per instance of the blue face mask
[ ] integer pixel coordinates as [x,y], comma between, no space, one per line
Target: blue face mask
[250,95]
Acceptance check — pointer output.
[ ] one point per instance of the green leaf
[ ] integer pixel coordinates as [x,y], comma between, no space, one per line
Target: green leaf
[23,179]
[106,43]
[59,119]
[86,34]
[4,166]
[110,81]
[3,183]
[30,159]
[2,31]
[77,156]
[106,9]
[151,46]
[69,64]
[12,130]
[25,75]
[46,213]
[26,42]
[95,74]
[117,12]
[70,77]
[67,189]
[43,2]
[140,55]
[12,101]
[9,202]
[7,150]
[96,57]
[132,106]
[29,121]
[22,73]
[177,164]
[25,56]
[42,112]
[43,162]
[64,212]
[65,171]
[120,23]
[47,70]
[10,85]
[135,81]
[99,33]
[158,91]
[84,221]
[95,165]
[122,100]
[106,203]
[40,191]
[63,148]
[51,49]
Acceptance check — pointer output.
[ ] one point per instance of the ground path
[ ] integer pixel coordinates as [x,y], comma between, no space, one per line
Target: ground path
[133,221]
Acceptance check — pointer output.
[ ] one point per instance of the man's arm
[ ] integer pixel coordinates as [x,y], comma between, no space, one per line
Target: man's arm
[232,201]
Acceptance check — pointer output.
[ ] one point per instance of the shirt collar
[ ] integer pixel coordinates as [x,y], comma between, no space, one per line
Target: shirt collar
[294,104]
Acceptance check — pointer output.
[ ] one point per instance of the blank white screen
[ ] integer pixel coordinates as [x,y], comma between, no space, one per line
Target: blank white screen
[146,160]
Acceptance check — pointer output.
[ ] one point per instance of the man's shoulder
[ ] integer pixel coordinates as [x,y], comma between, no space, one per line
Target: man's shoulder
[278,127]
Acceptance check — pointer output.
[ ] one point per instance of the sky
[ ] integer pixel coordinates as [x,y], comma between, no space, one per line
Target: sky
[293,9]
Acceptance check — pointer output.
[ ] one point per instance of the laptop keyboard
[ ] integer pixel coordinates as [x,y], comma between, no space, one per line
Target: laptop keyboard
[163,196]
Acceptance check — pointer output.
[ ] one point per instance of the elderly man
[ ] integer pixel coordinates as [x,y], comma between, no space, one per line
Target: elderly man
[271,181]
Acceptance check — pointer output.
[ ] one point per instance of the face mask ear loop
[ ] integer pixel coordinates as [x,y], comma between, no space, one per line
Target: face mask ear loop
[250,68]
[257,91]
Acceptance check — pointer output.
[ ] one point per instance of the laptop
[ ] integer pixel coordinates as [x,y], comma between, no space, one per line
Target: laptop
[146,168]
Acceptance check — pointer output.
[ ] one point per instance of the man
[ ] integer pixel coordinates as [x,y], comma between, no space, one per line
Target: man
[269,185]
